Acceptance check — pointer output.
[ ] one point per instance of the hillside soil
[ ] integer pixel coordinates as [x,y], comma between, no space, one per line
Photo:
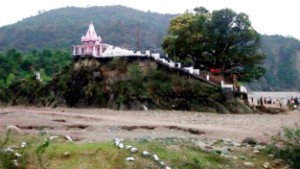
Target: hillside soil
[104,124]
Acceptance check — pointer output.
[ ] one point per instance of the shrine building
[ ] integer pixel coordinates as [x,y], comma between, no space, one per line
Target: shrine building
[91,46]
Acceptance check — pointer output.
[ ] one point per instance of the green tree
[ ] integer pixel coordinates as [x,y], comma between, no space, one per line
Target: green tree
[222,39]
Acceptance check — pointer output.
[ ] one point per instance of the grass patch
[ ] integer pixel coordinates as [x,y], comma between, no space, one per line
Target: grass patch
[176,153]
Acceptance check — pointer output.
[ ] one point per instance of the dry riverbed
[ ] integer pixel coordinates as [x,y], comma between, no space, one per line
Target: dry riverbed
[104,124]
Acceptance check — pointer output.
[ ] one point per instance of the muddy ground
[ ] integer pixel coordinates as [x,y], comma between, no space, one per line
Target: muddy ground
[104,124]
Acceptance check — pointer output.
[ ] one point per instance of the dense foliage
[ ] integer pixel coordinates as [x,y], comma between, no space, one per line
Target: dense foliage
[15,65]
[61,28]
[286,146]
[117,84]
[222,39]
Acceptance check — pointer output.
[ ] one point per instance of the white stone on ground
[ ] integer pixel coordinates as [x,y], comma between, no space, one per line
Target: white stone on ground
[69,138]
[129,159]
[121,145]
[248,164]
[155,157]
[133,150]
[146,154]
[53,137]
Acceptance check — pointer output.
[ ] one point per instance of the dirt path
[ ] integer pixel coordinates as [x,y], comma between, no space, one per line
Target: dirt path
[104,124]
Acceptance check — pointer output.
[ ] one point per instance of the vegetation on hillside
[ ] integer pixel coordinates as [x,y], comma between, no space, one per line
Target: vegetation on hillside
[15,65]
[61,28]
[281,63]
[118,25]
[222,40]
[117,84]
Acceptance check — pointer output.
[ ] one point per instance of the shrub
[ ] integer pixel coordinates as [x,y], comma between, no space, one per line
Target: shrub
[286,145]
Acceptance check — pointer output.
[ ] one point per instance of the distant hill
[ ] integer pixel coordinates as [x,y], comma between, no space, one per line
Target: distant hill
[61,28]
[119,25]
[282,64]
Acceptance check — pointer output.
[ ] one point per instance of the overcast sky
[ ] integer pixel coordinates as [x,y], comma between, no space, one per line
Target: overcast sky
[267,16]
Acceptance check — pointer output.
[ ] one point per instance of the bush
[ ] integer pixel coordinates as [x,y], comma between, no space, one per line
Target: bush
[286,146]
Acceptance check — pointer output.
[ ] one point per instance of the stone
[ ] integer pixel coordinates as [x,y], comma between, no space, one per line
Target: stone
[129,158]
[67,137]
[266,165]
[23,145]
[256,151]
[146,154]
[121,146]
[66,153]
[248,164]
[18,155]
[201,145]
[271,155]
[128,146]
[250,141]
[167,167]
[155,157]
[235,158]
[13,130]
[53,137]
[133,150]
[260,147]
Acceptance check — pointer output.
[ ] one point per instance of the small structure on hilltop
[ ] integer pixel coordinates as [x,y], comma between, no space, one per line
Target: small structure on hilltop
[91,46]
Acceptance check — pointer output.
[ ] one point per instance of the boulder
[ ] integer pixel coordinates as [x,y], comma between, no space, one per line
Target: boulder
[248,164]
[13,130]
[250,141]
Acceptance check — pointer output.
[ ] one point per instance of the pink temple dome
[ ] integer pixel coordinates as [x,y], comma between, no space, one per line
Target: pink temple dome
[91,35]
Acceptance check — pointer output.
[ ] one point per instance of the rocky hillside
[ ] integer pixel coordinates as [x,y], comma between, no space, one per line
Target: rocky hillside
[123,84]
[61,28]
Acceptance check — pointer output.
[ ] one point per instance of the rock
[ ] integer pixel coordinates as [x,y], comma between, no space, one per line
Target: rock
[128,146]
[13,130]
[167,167]
[248,164]
[256,151]
[53,137]
[121,146]
[9,150]
[278,162]
[201,145]
[66,153]
[67,137]
[266,165]
[129,159]
[146,154]
[133,150]
[250,141]
[155,157]
[162,164]
[23,145]
[260,147]
[271,155]
[18,155]
[235,158]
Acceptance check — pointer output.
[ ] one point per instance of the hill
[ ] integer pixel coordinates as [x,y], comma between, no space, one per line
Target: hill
[61,28]
[119,26]
[282,64]
[121,83]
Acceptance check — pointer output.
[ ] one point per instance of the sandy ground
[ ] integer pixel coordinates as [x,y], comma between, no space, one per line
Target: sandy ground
[105,124]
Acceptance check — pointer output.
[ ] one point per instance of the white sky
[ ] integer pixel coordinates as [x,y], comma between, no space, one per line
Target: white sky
[267,16]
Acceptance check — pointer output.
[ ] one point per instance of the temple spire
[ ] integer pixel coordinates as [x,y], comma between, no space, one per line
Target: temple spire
[91,35]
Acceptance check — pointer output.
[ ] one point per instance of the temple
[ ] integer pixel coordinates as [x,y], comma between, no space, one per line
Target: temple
[91,46]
